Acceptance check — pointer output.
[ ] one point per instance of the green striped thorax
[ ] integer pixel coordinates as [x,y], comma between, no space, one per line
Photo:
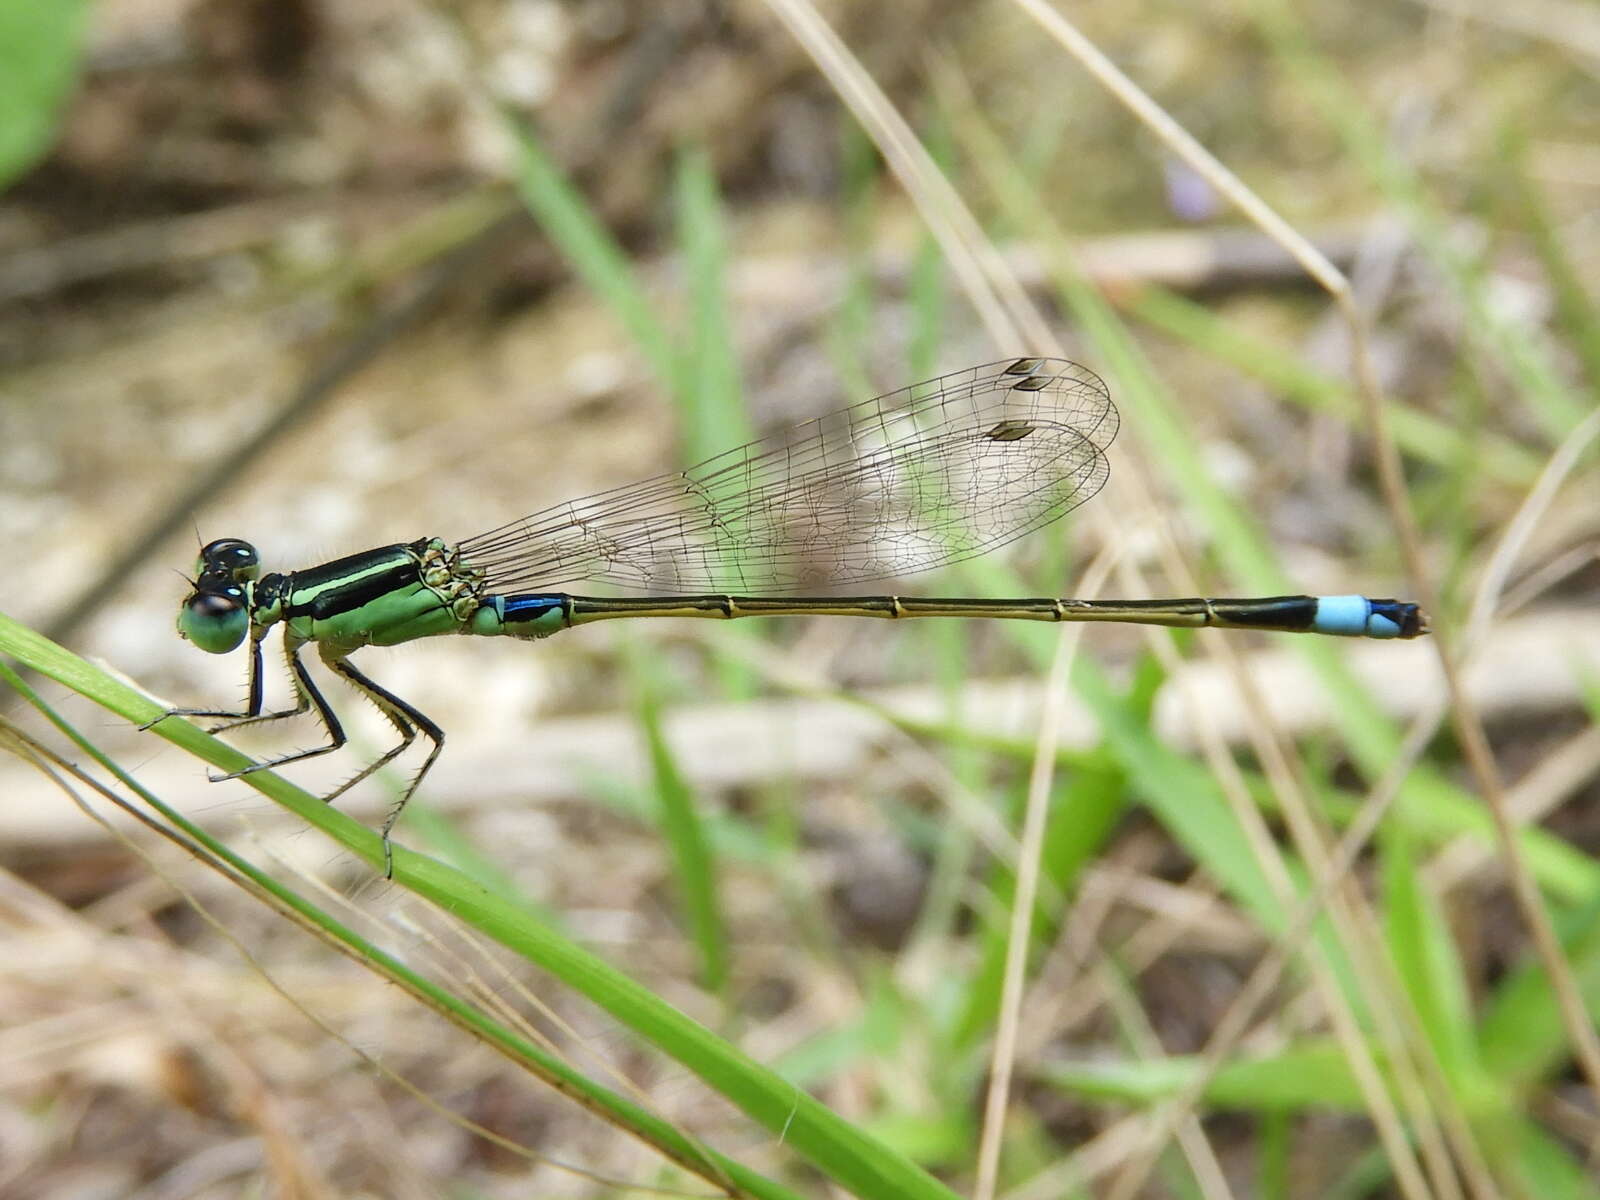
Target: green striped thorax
[384,596]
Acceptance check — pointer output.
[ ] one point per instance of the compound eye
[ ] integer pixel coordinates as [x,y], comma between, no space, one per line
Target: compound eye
[231,558]
[215,620]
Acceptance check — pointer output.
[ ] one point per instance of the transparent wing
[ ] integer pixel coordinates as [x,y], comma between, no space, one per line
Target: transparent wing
[920,478]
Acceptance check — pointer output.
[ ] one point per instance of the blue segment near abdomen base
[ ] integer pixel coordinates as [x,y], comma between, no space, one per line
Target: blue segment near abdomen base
[1354,616]
[534,615]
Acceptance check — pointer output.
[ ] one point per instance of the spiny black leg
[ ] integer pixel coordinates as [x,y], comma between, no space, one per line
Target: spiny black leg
[404,718]
[252,709]
[308,692]
[391,706]
[256,717]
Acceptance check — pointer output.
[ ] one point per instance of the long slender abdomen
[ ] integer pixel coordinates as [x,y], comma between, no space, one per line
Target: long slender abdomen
[541,614]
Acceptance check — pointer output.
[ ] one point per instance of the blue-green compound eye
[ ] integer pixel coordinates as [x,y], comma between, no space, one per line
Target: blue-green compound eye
[235,559]
[214,621]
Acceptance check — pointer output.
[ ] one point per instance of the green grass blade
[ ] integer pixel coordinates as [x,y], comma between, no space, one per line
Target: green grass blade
[679,819]
[849,330]
[1576,310]
[1312,1077]
[1521,1039]
[709,393]
[842,1151]
[40,54]
[1425,956]
[1311,1074]
[925,294]
[1277,1143]
[1545,1168]
[1148,405]
[1420,435]
[1084,813]
[1557,407]
[582,237]
[610,1106]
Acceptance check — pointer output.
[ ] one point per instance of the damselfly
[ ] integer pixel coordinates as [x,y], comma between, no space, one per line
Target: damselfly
[920,478]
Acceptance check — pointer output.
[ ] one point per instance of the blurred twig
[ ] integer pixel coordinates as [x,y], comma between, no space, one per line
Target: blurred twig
[1582,1035]
[1571,27]
[322,381]
[161,243]
[320,385]
[1180,142]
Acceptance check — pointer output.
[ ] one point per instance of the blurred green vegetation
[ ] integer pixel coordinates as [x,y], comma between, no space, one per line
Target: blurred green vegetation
[1412,1045]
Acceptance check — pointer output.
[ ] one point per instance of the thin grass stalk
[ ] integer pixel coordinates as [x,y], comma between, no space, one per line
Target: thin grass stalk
[1020,938]
[607,1105]
[1469,729]
[1383,1110]
[1580,1027]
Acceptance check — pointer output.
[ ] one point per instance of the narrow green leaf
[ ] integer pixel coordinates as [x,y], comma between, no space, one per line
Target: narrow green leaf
[1418,434]
[709,394]
[1275,1154]
[926,292]
[1576,310]
[1083,814]
[1313,1074]
[1520,1036]
[693,864]
[850,338]
[620,1111]
[580,234]
[1538,380]
[1424,954]
[841,1150]
[1545,1168]
[41,47]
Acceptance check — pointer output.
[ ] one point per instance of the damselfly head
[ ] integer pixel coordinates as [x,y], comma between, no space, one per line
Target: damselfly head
[216,615]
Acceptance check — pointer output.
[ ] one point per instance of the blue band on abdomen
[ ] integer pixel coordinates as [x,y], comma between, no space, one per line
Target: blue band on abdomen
[1347,616]
[533,615]
[528,607]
